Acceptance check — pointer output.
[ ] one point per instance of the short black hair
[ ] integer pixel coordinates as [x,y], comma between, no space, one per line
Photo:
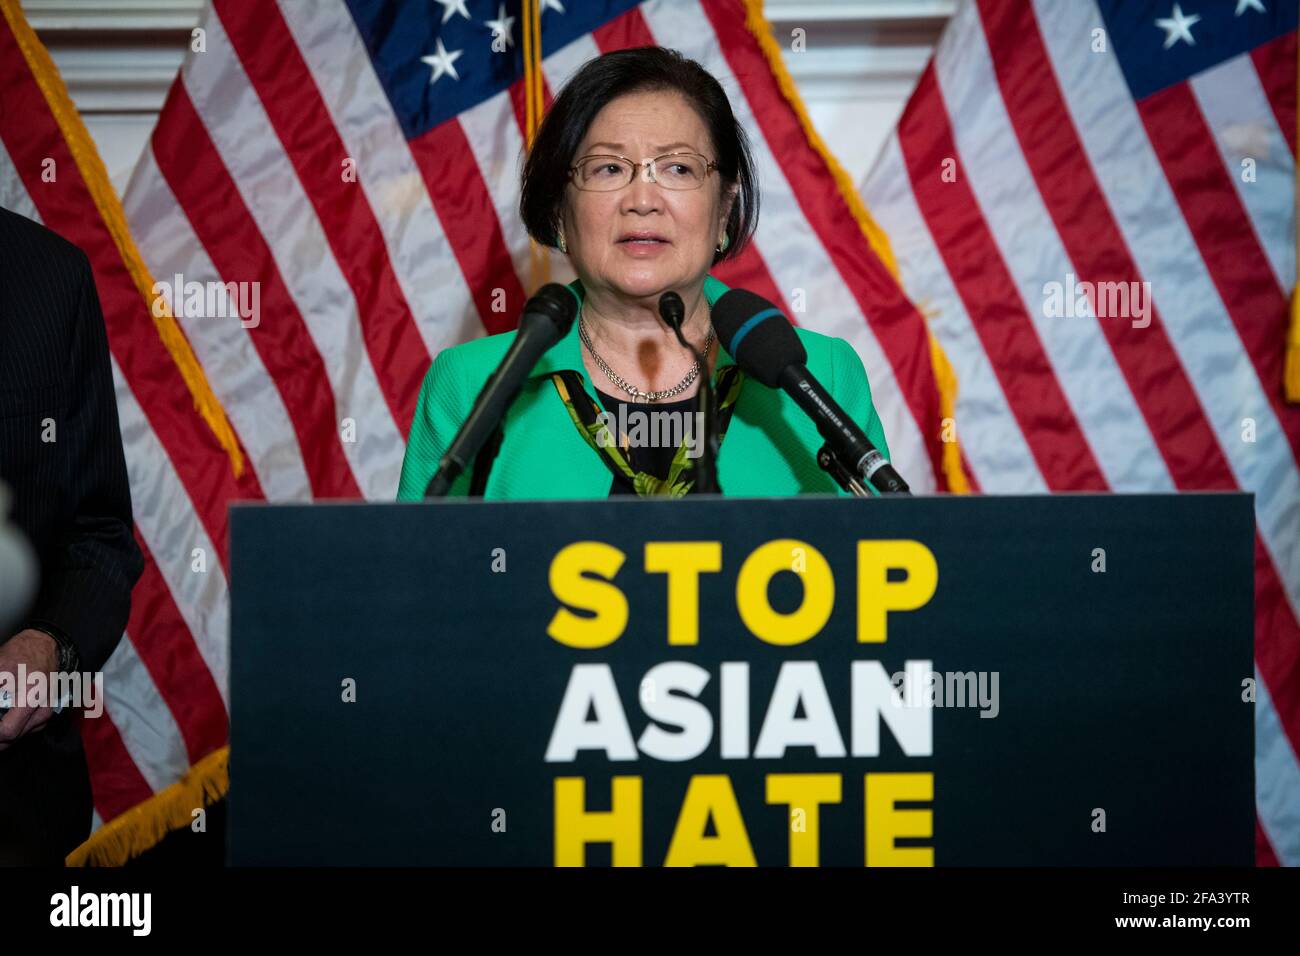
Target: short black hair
[607,77]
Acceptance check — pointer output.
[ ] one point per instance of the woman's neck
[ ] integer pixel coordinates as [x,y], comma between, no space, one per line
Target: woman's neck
[639,346]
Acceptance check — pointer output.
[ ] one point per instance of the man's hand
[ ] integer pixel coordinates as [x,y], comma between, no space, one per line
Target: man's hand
[38,651]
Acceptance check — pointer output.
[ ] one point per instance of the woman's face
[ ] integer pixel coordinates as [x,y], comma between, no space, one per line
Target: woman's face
[643,239]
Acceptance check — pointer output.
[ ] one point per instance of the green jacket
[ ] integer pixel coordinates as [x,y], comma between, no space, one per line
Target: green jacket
[770,447]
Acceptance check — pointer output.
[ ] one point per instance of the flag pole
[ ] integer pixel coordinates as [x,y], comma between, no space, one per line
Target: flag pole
[534,103]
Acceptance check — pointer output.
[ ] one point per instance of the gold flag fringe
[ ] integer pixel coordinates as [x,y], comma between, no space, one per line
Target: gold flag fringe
[129,834]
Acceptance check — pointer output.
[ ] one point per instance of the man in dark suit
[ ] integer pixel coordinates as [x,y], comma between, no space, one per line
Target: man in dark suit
[61,456]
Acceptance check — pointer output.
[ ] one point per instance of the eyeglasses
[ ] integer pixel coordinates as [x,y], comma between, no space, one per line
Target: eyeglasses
[603,173]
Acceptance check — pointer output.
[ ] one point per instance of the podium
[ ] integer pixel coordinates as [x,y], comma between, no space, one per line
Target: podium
[951,681]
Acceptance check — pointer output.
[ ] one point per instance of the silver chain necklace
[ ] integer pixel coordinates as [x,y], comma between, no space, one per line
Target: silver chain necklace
[632,390]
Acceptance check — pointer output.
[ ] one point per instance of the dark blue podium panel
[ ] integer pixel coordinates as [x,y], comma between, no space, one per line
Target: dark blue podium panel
[952,681]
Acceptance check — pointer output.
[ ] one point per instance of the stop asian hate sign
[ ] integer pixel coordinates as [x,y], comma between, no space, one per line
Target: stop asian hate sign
[890,577]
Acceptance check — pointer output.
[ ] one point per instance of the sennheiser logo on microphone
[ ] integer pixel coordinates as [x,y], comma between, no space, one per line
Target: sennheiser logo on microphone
[834,419]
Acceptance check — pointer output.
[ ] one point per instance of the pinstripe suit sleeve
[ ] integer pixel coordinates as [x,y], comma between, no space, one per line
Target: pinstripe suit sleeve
[71,493]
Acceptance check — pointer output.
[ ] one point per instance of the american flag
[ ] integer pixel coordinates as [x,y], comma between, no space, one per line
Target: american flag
[1055,143]
[165,685]
[356,164]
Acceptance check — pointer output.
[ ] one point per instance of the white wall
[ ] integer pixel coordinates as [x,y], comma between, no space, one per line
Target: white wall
[860,62]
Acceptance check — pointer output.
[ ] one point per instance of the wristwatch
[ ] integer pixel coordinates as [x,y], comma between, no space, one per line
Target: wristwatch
[69,659]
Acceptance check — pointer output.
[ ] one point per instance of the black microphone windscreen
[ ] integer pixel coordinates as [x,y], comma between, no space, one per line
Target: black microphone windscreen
[757,335]
[556,305]
[672,309]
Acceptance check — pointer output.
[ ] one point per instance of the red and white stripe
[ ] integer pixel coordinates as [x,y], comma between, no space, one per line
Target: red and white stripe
[1059,172]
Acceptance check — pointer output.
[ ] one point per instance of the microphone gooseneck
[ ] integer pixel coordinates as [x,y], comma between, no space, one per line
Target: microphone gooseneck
[673,312]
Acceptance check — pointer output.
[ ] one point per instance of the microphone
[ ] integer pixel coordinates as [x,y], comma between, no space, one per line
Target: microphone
[764,344]
[673,311]
[547,318]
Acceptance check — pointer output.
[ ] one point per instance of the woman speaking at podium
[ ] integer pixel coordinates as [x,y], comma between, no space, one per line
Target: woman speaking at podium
[642,176]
